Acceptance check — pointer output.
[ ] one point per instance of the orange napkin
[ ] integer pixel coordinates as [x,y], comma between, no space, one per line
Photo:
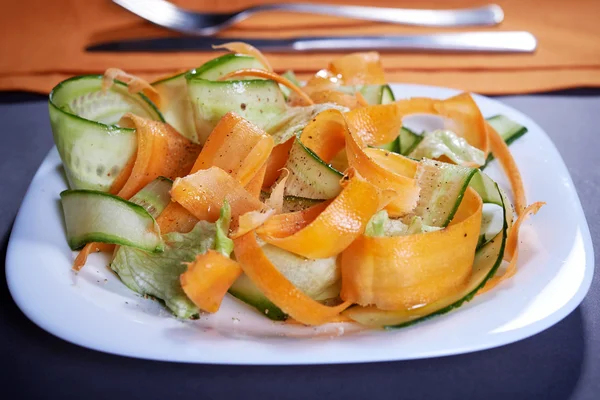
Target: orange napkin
[44,42]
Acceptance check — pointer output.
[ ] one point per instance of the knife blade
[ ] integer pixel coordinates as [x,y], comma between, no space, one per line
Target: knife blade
[492,42]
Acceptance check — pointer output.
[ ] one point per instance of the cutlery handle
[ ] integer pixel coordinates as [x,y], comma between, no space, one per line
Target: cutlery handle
[500,42]
[487,15]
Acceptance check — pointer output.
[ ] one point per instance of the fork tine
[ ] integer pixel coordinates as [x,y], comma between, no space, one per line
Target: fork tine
[159,12]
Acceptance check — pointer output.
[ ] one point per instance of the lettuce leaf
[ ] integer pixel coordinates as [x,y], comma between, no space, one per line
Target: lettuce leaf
[223,244]
[157,274]
[446,143]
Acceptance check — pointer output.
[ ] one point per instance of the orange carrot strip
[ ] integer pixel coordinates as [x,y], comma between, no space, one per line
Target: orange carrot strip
[275,200]
[375,125]
[134,84]
[405,271]
[175,218]
[89,248]
[276,162]
[256,183]
[250,221]
[277,288]
[123,176]
[342,221]
[504,156]
[259,73]
[245,48]
[462,115]
[359,69]
[334,96]
[325,134]
[360,99]
[203,193]
[511,253]
[386,170]
[208,278]
[161,151]
[237,146]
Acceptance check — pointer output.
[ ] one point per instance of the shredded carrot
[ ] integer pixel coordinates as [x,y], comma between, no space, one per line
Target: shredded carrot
[325,134]
[259,73]
[277,288]
[361,99]
[502,153]
[334,96]
[207,279]
[275,200]
[358,69]
[276,162]
[511,251]
[89,248]
[203,193]
[175,218]
[250,221]
[161,151]
[123,176]
[245,48]
[334,229]
[134,84]
[400,272]
[236,146]
[256,183]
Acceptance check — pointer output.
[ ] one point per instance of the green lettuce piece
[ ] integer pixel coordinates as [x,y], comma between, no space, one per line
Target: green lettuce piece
[223,244]
[295,119]
[446,143]
[375,226]
[157,274]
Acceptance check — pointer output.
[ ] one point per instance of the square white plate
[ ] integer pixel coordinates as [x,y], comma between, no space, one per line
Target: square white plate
[94,309]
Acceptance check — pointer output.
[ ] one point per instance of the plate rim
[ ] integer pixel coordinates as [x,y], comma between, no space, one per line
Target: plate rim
[518,334]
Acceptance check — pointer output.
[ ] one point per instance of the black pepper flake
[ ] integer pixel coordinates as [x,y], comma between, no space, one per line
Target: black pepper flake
[465,235]
[243,106]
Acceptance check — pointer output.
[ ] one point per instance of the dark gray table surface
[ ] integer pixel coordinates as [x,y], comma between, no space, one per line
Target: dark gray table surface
[561,363]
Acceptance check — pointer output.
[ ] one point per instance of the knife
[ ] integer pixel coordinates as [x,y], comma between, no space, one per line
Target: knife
[491,42]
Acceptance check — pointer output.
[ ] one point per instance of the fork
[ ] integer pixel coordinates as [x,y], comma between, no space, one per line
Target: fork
[168,15]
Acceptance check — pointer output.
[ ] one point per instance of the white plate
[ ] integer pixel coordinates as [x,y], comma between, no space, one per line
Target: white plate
[94,309]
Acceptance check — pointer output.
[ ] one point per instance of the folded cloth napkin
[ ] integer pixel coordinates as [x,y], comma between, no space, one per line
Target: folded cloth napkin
[44,42]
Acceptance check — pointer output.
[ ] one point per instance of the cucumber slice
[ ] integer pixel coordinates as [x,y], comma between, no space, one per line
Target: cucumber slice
[381,94]
[293,203]
[508,129]
[486,188]
[244,290]
[487,261]
[289,75]
[220,66]
[155,196]
[393,146]
[442,188]
[259,101]
[408,140]
[92,148]
[176,106]
[318,279]
[373,94]
[310,177]
[491,223]
[387,95]
[92,216]
[314,277]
